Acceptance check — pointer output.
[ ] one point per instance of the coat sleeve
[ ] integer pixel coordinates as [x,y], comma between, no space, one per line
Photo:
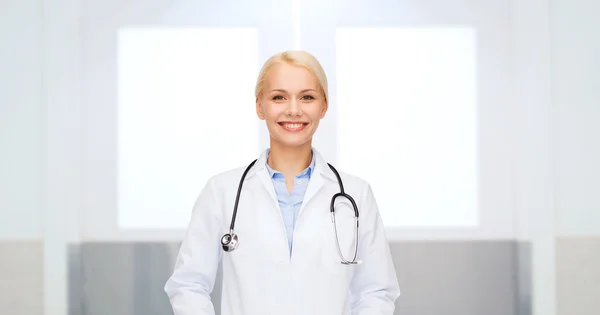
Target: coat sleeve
[374,288]
[197,262]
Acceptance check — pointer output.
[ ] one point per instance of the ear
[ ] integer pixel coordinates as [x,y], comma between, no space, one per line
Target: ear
[259,110]
[324,109]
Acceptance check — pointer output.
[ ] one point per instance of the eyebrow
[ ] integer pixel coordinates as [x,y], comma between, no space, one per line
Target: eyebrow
[284,91]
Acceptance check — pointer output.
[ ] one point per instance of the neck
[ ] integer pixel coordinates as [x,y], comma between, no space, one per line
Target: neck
[289,161]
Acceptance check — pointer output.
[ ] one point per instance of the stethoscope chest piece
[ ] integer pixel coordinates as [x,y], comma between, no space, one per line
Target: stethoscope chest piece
[229,242]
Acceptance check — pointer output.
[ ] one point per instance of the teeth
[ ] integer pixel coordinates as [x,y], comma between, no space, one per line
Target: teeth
[293,126]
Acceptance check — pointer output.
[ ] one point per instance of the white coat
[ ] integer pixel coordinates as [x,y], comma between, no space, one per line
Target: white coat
[260,277]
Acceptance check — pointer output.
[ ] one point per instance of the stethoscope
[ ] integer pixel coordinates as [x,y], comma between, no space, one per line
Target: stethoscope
[230,240]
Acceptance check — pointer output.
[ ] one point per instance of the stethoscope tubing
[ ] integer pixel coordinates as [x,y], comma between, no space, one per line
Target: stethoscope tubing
[229,241]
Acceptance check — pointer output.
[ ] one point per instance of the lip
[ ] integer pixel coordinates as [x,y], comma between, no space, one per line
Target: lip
[286,127]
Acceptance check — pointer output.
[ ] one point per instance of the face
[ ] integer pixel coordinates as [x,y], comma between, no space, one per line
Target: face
[291,104]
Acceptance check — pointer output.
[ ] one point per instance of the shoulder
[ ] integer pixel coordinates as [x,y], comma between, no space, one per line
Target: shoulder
[225,178]
[360,190]
[220,187]
[353,178]
[355,185]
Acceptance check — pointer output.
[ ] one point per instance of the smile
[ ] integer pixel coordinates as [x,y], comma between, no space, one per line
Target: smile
[293,127]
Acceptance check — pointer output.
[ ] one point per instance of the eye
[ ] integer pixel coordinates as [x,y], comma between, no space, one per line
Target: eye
[308,97]
[277,97]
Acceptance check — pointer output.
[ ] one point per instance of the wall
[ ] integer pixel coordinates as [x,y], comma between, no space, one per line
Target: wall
[532,137]
[63,175]
[21,139]
[575,77]
[21,121]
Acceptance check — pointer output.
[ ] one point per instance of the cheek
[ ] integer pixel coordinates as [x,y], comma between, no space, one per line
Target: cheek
[271,112]
[315,112]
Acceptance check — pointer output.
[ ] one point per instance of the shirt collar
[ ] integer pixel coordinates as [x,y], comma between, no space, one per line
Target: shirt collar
[306,172]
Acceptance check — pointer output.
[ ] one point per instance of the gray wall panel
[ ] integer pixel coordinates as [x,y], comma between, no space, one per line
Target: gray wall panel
[524,279]
[462,278]
[436,277]
[578,276]
[21,277]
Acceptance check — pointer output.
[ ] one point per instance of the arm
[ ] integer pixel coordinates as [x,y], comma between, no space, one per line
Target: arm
[198,259]
[374,288]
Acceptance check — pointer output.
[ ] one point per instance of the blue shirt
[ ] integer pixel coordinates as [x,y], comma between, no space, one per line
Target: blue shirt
[290,203]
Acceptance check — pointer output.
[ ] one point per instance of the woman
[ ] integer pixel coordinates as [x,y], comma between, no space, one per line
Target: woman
[287,259]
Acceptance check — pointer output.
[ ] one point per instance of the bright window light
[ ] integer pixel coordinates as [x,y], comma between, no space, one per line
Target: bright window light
[408,123]
[185,112]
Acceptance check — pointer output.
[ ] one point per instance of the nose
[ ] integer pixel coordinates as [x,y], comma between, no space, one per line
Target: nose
[294,108]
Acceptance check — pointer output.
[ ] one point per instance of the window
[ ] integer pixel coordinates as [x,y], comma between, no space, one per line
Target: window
[185,112]
[408,123]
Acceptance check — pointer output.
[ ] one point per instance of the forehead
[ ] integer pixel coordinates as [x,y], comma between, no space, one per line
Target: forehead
[290,77]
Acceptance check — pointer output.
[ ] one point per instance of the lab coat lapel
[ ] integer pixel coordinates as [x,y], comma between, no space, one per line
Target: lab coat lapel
[259,169]
[265,179]
[314,185]
[321,174]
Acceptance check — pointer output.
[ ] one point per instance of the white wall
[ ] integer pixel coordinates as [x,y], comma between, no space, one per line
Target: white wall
[101,20]
[532,131]
[21,120]
[575,74]
[63,175]
[39,128]
[576,94]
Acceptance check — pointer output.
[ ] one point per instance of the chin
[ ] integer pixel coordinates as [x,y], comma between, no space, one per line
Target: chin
[290,142]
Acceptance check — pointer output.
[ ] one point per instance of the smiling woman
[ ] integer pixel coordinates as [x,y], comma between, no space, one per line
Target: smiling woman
[291,97]
[297,239]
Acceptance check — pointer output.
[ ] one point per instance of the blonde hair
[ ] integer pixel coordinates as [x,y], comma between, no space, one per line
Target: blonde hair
[297,58]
